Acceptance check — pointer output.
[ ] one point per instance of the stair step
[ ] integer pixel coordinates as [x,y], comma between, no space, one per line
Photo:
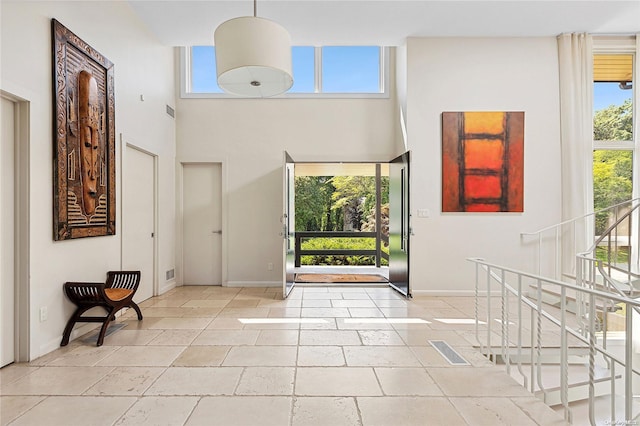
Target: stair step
[632,288]
[602,408]
[548,355]
[553,298]
[577,391]
[578,377]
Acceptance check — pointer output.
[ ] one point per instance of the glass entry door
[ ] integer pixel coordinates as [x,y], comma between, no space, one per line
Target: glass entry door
[399,226]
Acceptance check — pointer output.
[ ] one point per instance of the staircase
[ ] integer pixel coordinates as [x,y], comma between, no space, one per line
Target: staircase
[568,337]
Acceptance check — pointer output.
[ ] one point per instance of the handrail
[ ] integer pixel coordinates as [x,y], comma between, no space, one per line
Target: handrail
[612,227]
[612,284]
[598,293]
[587,264]
[588,339]
[616,268]
[575,219]
[554,251]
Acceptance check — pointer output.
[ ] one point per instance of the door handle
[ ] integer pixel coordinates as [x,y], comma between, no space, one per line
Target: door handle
[219,232]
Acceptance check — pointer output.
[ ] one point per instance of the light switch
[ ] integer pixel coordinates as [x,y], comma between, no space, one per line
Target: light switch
[423,213]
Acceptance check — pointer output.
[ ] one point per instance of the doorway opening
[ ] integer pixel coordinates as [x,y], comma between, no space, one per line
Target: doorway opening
[14,229]
[399,228]
[341,223]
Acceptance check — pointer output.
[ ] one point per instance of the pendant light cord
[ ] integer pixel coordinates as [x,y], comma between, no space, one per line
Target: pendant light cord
[255,8]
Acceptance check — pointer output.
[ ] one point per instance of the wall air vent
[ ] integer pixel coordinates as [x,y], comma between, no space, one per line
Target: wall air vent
[171,112]
[170,274]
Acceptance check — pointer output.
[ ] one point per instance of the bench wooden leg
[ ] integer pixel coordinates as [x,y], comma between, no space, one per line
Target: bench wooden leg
[104,327]
[70,324]
[135,306]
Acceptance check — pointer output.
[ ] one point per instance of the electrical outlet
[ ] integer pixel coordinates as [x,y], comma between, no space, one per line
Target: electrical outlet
[269,266]
[44,314]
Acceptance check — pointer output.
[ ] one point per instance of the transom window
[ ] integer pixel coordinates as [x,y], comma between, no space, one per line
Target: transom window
[329,71]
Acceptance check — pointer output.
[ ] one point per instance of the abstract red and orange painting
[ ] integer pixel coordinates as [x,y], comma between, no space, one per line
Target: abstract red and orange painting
[482,161]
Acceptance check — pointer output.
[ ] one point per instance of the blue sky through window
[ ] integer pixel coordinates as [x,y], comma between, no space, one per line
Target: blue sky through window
[203,70]
[345,69]
[351,69]
[303,62]
[606,94]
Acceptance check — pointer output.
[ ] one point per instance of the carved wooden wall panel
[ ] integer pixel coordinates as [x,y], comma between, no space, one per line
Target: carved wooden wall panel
[84,135]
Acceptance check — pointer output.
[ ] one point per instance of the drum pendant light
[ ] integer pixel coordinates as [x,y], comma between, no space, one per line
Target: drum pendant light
[253,57]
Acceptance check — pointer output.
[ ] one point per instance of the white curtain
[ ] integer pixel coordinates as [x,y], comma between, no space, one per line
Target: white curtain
[575,56]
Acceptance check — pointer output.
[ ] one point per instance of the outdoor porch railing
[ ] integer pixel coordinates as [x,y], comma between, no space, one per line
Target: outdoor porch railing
[378,253]
[526,332]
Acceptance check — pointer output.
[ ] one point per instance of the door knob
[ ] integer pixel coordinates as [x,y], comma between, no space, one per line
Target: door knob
[217,232]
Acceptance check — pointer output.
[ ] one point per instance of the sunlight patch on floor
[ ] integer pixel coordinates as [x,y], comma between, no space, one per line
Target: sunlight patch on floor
[282,321]
[458,321]
[385,321]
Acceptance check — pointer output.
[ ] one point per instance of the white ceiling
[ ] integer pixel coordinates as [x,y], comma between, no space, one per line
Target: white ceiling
[389,22]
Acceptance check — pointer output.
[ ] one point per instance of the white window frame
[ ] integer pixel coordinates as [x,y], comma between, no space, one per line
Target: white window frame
[612,45]
[185,81]
[606,45]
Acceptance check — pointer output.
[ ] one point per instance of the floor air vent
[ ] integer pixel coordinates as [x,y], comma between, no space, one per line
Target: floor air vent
[448,352]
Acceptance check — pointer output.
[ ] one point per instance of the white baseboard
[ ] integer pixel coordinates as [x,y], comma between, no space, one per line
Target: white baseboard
[50,346]
[253,284]
[165,287]
[78,331]
[54,344]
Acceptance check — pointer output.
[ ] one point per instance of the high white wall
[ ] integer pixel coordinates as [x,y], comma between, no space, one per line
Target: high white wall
[249,137]
[401,94]
[479,74]
[142,67]
[442,74]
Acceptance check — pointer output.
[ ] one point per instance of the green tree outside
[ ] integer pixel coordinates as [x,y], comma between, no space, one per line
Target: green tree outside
[314,203]
[320,205]
[612,169]
[614,123]
[357,196]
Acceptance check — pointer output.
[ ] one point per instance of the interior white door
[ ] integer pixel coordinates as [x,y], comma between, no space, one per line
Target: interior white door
[7,236]
[138,228]
[202,223]
[288,225]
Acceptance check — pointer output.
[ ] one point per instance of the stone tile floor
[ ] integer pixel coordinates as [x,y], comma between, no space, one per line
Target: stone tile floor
[326,356]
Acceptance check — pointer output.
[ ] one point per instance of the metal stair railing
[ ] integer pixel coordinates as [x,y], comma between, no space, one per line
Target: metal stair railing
[549,241]
[612,241]
[522,315]
[595,270]
[607,256]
